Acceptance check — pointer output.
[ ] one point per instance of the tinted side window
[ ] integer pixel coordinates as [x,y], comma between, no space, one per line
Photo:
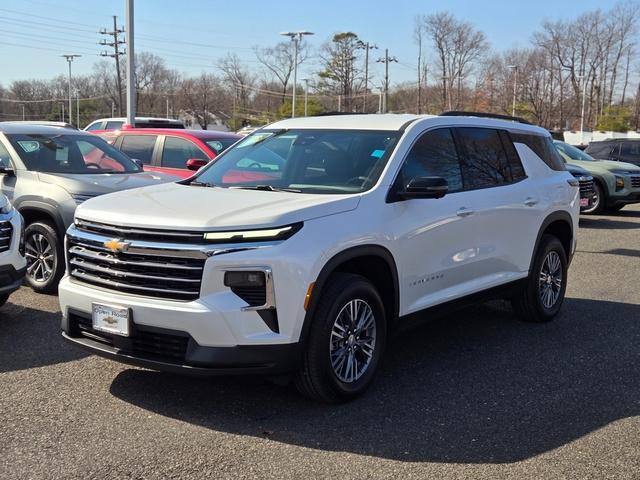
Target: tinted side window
[543,147]
[485,162]
[95,126]
[600,150]
[630,149]
[517,170]
[139,147]
[434,155]
[114,125]
[177,151]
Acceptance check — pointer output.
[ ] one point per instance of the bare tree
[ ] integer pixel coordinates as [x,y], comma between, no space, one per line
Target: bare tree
[280,61]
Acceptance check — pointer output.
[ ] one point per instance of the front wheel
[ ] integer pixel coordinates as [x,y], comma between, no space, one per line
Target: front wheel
[542,296]
[45,257]
[346,340]
[599,201]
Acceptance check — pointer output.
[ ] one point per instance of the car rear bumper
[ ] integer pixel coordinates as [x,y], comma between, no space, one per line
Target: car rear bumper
[176,351]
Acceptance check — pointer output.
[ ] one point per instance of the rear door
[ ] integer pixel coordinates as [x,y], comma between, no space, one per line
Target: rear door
[175,153]
[139,147]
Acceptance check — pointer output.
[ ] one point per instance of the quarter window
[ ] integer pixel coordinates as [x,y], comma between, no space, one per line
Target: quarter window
[434,155]
[485,163]
[177,151]
[139,147]
[543,147]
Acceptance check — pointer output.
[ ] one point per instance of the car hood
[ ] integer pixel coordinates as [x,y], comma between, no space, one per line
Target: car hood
[101,183]
[185,207]
[576,169]
[606,166]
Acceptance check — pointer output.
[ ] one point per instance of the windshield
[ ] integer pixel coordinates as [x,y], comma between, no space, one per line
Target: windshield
[221,145]
[63,153]
[305,161]
[569,152]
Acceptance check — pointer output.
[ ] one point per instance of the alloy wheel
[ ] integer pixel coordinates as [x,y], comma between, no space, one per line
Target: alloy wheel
[353,341]
[40,258]
[550,281]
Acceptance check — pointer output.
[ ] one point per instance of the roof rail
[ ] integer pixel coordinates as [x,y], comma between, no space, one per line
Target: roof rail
[456,113]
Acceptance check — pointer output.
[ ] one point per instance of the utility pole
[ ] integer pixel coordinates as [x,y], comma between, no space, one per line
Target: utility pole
[582,77]
[386,61]
[22,105]
[115,45]
[515,86]
[70,57]
[131,66]
[62,112]
[366,47]
[296,38]
[167,107]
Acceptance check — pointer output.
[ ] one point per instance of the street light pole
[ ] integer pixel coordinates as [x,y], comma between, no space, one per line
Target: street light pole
[131,65]
[296,38]
[515,85]
[22,105]
[70,57]
[366,47]
[306,94]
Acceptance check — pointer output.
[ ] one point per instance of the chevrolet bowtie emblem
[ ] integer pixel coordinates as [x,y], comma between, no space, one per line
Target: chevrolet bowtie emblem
[116,245]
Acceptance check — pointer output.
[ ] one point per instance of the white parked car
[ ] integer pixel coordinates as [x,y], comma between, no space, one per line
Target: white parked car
[13,266]
[303,246]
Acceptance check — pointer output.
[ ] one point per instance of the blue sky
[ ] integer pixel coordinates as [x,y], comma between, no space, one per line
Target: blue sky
[34,33]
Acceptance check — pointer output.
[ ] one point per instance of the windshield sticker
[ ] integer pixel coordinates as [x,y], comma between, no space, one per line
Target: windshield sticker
[377,153]
[29,146]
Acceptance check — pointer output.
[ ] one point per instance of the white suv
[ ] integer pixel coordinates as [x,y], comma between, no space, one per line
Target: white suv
[303,246]
[13,265]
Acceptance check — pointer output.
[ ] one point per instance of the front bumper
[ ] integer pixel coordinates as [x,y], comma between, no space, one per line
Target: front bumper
[629,198]
[176,351]
[10,278]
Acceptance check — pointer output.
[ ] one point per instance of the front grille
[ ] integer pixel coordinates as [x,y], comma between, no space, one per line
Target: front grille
[153,345]
[586,188]
[148,274]
[6,230]
[254,296]
[146,234]
[635,182]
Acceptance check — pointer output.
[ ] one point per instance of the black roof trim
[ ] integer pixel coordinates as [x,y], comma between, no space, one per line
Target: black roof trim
[457,113]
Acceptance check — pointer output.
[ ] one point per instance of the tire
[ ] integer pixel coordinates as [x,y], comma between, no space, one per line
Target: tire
[531,304]
[324,374]
[3,299]
[599,201]
[45,257]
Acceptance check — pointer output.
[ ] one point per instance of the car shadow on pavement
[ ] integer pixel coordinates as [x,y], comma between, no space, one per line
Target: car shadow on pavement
[476,387]
[607,223]
[31,338]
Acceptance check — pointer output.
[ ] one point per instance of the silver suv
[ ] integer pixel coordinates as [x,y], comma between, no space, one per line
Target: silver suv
[46,171]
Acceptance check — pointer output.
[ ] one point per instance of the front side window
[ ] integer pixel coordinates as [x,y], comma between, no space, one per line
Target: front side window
[630,149]
[139,147]
[62,153]
[485,163]
[177,151]
[304,160]
[95,126]
[434,155]
[114,125]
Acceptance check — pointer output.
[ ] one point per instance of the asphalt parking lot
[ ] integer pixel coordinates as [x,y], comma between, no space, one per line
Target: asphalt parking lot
[475,395]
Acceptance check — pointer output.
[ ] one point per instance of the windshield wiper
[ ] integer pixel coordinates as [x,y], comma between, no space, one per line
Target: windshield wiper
[268,188]
[195,183]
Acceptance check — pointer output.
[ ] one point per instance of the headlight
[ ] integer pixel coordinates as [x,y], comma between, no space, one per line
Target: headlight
[239,236]
[80,198]
[619,183]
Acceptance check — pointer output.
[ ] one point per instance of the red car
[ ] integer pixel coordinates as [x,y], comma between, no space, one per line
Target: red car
[172,151]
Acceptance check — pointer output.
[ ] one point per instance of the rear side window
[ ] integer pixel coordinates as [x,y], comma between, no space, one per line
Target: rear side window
[517,170]
[177,151]
[95,126]
[602,150]
[114,125]
[543,147]
[630,149]
[139,147]
[434,155]
[485,162]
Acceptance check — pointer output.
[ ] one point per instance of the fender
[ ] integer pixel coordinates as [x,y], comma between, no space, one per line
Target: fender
[553,217]
[40,206]
[338,259]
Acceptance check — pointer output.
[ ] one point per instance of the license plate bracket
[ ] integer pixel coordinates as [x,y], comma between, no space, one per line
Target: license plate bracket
[111,319]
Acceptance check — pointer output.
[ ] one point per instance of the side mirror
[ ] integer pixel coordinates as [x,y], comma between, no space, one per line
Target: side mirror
[196,163]
[425,187]
[7,170]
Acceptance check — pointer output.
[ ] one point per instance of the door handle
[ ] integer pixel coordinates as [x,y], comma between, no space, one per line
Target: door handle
[464,212]
[530,201]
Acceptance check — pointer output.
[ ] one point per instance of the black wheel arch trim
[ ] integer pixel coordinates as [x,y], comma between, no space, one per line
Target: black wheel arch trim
[46,208]
[340,258]
[560,215]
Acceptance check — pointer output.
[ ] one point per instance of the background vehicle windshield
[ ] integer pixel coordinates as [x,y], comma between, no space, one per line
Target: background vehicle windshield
[569,152]
[309,161]
[70,154]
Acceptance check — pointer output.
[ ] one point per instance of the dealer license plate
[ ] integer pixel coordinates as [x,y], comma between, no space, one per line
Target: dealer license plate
[110,319]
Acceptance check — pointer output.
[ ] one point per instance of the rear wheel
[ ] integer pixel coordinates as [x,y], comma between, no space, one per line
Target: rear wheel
[598,203]
[45,257]
[346,340]
[541,298]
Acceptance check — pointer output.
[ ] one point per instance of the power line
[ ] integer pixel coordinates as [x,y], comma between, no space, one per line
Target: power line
[21,45]
[32,15]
